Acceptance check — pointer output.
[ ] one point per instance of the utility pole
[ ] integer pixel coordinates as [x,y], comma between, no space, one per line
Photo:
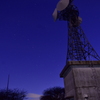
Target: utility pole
[8,83]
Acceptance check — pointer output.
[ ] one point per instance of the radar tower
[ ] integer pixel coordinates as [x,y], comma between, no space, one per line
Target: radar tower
[79,48]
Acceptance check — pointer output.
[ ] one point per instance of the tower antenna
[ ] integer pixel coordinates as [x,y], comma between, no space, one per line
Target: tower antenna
[8,83]
[79,49]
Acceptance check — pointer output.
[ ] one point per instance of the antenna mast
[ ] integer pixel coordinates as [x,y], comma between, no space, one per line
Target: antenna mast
[8,83]
[79,48]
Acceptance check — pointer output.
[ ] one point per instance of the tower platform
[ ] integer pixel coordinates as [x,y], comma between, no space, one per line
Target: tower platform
[81,80]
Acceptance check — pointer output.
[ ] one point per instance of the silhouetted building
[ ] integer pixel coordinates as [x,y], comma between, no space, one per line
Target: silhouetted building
[82,80]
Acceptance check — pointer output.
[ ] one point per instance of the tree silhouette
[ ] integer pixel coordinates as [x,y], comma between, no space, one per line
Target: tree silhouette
[14,94]
[55,93]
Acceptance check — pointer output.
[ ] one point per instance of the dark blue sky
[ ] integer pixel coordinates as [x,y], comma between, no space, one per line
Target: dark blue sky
[33,46]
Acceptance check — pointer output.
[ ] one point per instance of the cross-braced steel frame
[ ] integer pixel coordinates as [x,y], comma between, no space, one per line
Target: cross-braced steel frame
[79,48]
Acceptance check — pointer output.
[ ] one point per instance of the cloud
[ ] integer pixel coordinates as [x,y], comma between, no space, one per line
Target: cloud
[32,96]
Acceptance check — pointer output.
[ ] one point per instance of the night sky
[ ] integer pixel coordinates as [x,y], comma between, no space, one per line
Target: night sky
[33,47]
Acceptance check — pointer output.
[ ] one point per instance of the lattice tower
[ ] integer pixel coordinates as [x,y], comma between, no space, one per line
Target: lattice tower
[79,48]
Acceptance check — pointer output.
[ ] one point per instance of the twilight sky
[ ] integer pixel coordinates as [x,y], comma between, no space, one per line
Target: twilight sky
[33,47]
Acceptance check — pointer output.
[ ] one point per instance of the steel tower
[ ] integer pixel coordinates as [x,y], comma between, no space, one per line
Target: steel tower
[79,48]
